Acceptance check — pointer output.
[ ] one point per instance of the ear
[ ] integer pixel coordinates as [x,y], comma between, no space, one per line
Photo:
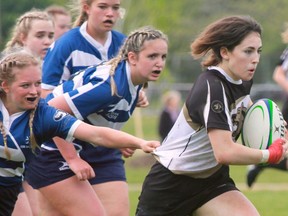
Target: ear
[86,8]
[132,58]
[5,86]
[224,52]
[22,38]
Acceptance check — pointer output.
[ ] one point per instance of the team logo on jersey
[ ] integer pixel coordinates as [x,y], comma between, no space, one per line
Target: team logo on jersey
[59,115]
[64,166]
[217,106]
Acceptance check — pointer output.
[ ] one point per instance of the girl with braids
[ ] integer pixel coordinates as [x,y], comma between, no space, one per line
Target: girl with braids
[191,172]
[103,95]
[34,31]
[26,121]
[91,41]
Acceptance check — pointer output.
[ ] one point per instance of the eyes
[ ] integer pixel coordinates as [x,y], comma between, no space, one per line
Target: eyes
[105,7]
[28,85]
[155,56]
[250,51]
[41,35]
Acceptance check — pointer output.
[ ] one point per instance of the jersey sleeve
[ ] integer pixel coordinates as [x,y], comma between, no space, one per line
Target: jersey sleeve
[50,122]
[55,63]
[207,104]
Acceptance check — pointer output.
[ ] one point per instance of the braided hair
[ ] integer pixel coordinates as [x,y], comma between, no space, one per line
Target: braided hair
[23,26]
[133,43]
[17,59]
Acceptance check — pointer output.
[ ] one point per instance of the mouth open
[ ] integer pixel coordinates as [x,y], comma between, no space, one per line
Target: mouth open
[156,72]
[109,22]
[31,99]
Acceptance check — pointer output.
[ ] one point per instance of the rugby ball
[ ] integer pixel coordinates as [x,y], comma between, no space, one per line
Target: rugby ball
[263,123]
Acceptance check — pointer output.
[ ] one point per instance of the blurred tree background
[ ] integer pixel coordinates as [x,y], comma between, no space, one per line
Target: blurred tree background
[181,21]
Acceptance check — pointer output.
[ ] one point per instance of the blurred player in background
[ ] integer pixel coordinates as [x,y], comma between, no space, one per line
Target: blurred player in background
[62,19]
[171,101]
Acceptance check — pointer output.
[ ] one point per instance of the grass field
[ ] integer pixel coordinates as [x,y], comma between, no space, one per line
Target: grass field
[269,194]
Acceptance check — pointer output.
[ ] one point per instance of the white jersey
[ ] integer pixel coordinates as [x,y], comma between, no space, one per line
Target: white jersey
[221,104]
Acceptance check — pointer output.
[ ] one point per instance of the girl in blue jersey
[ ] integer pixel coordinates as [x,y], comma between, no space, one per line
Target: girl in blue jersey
[191,175]
[90,42]
[34,31]
[104,95]
[26,120]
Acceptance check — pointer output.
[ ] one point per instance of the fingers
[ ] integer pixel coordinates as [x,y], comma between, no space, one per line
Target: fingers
[142,99]
[150,146]
[84,175]
[127,152]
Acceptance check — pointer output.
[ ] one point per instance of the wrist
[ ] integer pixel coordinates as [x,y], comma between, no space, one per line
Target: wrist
[265,156]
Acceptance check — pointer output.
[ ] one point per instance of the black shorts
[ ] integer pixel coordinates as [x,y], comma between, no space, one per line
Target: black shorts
[8,197]
[165,193]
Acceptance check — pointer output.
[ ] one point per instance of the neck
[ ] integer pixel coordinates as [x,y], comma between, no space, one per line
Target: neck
[100,37]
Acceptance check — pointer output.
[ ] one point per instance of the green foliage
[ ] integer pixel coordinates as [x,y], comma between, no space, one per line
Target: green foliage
[181,21]
[11,10]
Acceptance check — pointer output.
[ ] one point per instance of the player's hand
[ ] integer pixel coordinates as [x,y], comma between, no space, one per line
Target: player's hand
[149,146]
[277,151]
[142,99]
[127,152]
[81,168]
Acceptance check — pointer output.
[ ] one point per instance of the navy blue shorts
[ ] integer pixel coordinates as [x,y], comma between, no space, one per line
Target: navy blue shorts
[165,193]
[49,167]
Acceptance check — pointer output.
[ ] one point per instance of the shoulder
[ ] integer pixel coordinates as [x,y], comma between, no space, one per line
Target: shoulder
[118,35]
[69,37]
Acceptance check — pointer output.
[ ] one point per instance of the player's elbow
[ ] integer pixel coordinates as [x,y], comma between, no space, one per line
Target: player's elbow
[222,158]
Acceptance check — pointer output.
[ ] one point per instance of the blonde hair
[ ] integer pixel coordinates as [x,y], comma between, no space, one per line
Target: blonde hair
[23,26]
[16,59]
[133,43]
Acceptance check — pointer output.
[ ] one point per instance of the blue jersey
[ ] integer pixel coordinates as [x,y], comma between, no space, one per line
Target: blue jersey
[48,122]
[88,95]
[74,51]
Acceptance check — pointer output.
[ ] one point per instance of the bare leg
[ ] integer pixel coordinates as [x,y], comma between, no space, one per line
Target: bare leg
[22,206]
[226,203]
[73,197]
[114,197]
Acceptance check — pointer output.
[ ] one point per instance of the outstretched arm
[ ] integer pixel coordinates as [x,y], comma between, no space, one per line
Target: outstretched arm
[112,138]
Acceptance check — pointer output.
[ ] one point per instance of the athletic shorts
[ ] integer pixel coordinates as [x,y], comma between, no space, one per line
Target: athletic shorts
[169,194]
[8,197]
[49,167]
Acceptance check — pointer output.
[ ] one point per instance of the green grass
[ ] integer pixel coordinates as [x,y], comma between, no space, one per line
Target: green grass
[269,202]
